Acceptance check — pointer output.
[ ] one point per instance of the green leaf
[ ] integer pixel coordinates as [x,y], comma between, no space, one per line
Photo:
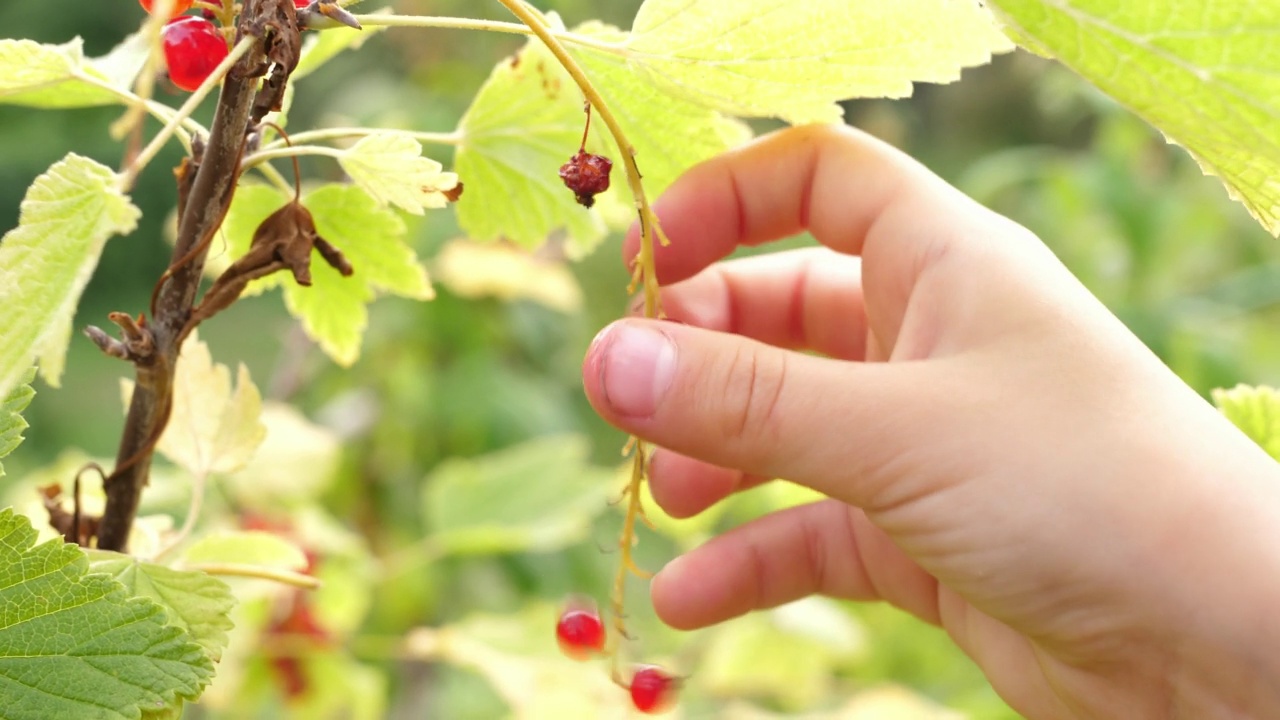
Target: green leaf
[525,122]
[390,167]
[75,645]
[538,496]
[1207,74]
[333,310]
[67,217]
[247,547]
[198,604]
[54,76]
[795,60]
[474,270]
[272,480]
[11,421]
[1256,411]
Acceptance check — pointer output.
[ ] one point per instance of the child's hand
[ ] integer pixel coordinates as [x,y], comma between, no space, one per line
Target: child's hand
[1002,456]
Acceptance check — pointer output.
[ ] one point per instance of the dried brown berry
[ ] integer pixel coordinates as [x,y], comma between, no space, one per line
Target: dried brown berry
[587,175]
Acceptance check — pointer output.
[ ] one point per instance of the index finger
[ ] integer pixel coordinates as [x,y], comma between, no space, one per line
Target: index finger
[832,180]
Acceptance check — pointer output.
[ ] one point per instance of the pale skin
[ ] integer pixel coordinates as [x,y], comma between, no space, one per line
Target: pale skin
[1002,457]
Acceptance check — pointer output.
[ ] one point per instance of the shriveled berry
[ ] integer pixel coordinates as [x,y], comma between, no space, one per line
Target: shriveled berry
[177,8]
[193,47]
[580,631]
[653,690]
[587,175]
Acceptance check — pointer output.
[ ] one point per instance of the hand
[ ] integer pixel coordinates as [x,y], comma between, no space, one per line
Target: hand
[1002,456]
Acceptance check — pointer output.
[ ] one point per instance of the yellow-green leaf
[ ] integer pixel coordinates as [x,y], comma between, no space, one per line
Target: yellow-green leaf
[334,309]
[213,428]
[796,60]
[1256,411]
[67,217]
[390,167]
[1206,73]
[248,547]
[475,270]
[319,48]
[11,421]
[52,76]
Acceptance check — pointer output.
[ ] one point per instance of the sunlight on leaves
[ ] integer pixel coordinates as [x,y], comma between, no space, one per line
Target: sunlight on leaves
[1256,411]
[390,167]
[11,421]
[56,76]
[67,217]
[74,645]
[474,270]
[198,604]
[1207,74]
[247,547]
[213,428]
[795,61]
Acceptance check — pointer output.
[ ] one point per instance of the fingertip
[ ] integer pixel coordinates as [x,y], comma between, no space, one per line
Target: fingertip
[683,486]
[693,591]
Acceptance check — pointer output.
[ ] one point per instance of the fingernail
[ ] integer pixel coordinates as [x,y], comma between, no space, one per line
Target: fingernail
[637,364]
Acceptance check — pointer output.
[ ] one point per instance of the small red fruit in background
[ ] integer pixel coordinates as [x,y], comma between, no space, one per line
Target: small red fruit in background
[653,690]
[586,175]
[580,631]
[177,8]
[193,47]
[299,4]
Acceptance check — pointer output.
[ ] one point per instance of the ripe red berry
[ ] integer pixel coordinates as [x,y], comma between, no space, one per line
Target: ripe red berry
[580,631]
[653,690]
[586,175]
[299,4]
[193,47]
[177,8]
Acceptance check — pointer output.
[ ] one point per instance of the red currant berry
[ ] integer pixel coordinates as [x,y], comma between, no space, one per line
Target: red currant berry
[586,175]
[193,47]
[580,632]
[653,690]
[299,4]
[177,8]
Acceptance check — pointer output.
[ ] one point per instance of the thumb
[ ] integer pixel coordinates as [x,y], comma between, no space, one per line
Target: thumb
[836,426]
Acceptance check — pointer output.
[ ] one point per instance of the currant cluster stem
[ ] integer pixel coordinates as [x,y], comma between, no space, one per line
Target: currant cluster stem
[645,275]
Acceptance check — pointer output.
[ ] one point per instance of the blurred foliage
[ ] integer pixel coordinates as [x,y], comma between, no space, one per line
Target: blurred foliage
[452,487]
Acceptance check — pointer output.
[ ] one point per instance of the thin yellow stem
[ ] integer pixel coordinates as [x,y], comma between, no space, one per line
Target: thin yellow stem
[458,23]
[314,136]
[257,572]
[650,234]
[286,153]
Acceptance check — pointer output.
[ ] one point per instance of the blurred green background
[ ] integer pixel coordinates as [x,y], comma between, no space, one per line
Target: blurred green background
[417,494]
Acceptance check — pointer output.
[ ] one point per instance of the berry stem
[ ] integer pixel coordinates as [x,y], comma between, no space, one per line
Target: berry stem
[645,272]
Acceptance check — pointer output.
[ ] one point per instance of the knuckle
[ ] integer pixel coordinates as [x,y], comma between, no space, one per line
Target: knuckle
[753,389]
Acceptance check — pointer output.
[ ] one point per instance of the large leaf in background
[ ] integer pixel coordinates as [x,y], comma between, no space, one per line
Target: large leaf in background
[334,309]
[538,496]
[319,48]
[796,60]
[67,217]
[196,602]
[527,121]
[75,645]
[1205,72]
[11,421]
[58,76]
[669,133]
[1256,411]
